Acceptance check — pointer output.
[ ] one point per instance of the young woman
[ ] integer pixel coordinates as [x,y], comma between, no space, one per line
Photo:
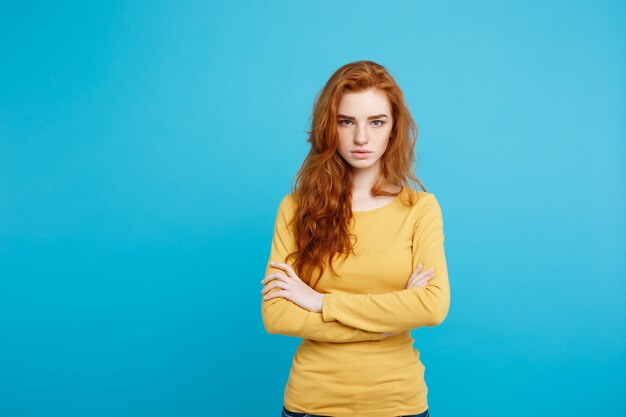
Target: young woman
[357,258]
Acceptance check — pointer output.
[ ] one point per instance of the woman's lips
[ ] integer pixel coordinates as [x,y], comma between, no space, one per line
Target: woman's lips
[360,155]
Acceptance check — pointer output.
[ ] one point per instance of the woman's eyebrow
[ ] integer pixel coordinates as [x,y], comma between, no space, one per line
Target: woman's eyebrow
[377,116]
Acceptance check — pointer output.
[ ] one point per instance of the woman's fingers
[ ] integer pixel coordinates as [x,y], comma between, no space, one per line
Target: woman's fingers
[424,281]
[428,271]
[417,270]
[274,284]
[420,274]
[280,275]
[288,268]
[414,275]
[421,278]
[282,293]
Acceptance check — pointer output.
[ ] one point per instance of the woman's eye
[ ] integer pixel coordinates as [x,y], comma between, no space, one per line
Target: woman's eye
[346,122]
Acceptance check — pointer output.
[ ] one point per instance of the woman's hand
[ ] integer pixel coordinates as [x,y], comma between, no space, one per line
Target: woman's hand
[420,278]
[293,288]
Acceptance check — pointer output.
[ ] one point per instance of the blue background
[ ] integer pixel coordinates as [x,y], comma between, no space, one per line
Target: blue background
[145,146]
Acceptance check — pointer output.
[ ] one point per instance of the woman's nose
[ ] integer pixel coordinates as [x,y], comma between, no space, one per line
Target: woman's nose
[360,135]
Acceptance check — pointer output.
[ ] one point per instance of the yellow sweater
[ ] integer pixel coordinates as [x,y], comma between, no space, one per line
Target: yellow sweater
[344,367]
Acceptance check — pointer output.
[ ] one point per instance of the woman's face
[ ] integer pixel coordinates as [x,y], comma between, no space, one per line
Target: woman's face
[364,123]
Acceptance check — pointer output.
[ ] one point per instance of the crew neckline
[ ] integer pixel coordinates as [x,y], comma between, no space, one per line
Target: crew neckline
[377,209]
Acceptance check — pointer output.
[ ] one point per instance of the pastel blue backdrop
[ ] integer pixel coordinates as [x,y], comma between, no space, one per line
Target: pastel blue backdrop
[145,146]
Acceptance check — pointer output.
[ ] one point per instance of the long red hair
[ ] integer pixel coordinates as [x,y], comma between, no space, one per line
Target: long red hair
[323,185]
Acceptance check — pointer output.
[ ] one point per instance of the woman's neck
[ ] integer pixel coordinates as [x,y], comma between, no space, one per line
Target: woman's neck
[363,180]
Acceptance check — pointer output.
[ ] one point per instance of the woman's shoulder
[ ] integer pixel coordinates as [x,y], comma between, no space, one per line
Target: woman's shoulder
[288,199]
[287,204]
[420,197]
[426,207]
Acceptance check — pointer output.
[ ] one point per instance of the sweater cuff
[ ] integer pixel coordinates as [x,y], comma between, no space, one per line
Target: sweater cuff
[326,308]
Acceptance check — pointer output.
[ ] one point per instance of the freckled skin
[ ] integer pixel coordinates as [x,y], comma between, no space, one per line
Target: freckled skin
[361,133]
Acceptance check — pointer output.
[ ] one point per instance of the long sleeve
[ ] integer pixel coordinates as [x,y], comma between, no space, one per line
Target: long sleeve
[408,308]
[281,316]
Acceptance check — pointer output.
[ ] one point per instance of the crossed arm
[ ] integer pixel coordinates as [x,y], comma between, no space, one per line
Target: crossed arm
[349,317]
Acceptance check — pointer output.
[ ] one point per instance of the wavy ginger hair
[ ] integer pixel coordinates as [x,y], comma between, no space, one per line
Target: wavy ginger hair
[323,185]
